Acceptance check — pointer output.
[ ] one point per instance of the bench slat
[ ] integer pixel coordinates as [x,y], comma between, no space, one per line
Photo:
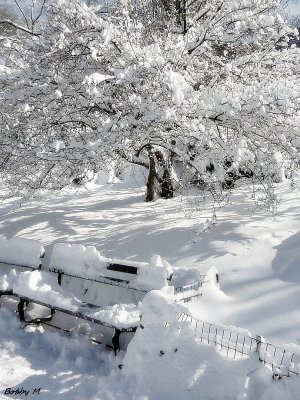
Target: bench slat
[106,280]
[128,269]
[6,292]
[19,265]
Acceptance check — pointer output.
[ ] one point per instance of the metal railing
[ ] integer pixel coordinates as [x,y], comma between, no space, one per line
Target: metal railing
[235,344]
[188,292]
[282,361]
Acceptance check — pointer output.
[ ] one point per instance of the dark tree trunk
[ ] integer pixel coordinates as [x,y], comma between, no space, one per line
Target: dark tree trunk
[167,190]
[180,6]
[150,194]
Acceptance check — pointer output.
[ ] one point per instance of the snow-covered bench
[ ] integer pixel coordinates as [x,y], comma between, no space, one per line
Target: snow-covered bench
[101,304]
[87,264]
[17,252]
[40,287]
[78,261]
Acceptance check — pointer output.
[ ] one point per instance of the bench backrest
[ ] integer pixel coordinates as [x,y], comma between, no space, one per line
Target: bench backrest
[21,252]
[87,263]
[17,252]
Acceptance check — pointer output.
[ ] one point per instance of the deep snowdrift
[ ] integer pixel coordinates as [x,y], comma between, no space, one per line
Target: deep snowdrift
[256,256]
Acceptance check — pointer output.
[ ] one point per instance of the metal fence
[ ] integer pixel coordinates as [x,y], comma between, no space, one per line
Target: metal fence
[236,345]
[282,361]
[188,292]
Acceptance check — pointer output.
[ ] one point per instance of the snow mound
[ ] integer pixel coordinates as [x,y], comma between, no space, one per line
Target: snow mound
[166,361]
[19,251]
[42,286]
[153,275]
[77,259]
[214,304]
[212,277]
[184,277]
[291,272]
[159,305]
[7,280]
[122,316]
[287,260]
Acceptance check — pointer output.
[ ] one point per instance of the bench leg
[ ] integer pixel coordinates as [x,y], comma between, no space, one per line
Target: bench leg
[59,278]
[116,340]
[21,309]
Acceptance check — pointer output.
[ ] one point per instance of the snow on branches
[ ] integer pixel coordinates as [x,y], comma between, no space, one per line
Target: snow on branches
[207,92]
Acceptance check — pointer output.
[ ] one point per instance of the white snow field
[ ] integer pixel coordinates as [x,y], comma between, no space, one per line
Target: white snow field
[258,259]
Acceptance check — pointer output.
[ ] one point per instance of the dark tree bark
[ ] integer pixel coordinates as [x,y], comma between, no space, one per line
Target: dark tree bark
[164,10]
[159,169]
[167,190]
[150,194]
[180,6]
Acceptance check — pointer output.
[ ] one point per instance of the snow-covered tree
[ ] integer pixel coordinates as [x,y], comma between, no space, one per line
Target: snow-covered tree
[209,94]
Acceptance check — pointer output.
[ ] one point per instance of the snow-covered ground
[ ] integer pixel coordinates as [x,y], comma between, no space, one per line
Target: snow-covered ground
[257,256]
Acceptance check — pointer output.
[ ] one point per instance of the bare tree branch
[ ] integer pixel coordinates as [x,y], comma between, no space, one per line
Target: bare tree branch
[21,28]
[22,12]
[40,13]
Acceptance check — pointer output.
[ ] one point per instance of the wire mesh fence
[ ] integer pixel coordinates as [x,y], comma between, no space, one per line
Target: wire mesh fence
[235,344]
[188,292]
[282,361]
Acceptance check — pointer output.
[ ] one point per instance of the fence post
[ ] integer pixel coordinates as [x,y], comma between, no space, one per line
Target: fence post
[259,339]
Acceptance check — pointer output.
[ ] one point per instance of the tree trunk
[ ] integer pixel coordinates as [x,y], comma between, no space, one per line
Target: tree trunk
[180,6]
[151,178]
[167,190]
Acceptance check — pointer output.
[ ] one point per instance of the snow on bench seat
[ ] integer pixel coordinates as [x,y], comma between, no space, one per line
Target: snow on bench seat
[41,288]
[7,280]
[17,252]
[87,263]
[21,252]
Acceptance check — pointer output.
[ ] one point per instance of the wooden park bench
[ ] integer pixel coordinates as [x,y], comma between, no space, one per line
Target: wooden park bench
[18,254]
[26,254]
[86,264]
[41,288]
[71,261]
[129,275]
